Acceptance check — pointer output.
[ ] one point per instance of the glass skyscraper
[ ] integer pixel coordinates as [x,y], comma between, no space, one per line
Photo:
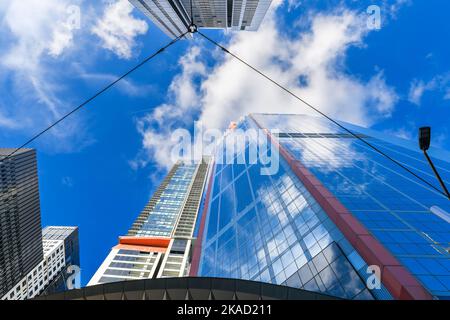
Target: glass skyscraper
[335,218]
[159,243]
[173,17]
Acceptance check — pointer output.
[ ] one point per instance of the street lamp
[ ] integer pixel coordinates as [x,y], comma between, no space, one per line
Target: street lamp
[424,144]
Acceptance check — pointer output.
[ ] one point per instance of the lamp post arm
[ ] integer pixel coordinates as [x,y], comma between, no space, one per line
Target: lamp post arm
[437,174]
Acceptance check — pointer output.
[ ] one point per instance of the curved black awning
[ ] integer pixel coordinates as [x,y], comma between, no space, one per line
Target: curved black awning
[187,288]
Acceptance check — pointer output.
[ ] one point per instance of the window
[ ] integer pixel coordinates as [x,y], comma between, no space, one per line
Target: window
[178,246]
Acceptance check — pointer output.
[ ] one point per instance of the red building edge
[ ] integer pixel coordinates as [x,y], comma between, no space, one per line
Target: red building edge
[196,255]
[395,277]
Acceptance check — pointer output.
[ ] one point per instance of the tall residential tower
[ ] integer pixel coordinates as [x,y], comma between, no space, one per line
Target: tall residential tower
[159,243]
[173,17]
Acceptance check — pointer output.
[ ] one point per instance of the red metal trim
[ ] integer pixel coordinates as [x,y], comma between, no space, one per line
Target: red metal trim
[396,278]
[198,243]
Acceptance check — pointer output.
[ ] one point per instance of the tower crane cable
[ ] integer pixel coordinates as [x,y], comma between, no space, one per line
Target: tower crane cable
[322,113]
[162,49]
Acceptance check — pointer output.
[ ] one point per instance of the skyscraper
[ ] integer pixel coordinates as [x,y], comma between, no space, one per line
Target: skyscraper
[32,260]
[159,243]
[52,273]
[332,216]
[20,219]
[68,236]
[173,17]
[336,217]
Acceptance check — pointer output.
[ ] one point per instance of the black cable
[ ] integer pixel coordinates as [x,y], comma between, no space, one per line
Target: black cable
[95,95]
[322,114]
[192,27]
[192,14]
[436,173]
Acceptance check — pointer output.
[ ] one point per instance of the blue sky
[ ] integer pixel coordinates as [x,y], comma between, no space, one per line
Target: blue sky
[98,169]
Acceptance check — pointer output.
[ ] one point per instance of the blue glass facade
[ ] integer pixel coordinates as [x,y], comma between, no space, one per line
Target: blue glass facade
[162,218]
[271,229]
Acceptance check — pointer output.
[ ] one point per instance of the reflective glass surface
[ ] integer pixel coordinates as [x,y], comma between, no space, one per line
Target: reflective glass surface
[391,203]
[269,228]
[163,217]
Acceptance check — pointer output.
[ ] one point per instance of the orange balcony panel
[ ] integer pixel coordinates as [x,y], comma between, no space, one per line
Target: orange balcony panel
[159,242]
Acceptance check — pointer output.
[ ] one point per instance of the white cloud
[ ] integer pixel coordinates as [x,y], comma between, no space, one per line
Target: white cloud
[156,128]
[7,122]
[402,133]
[126,86]
[32,32]
[37,27]
[62,39]
[447,94]
[395,7]
[317,56]
[67,181]
[118,28]
[35,38]
[293,4]
[419,87]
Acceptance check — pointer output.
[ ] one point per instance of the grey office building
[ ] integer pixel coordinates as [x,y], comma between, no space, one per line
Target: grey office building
[173,17]
[20,219]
